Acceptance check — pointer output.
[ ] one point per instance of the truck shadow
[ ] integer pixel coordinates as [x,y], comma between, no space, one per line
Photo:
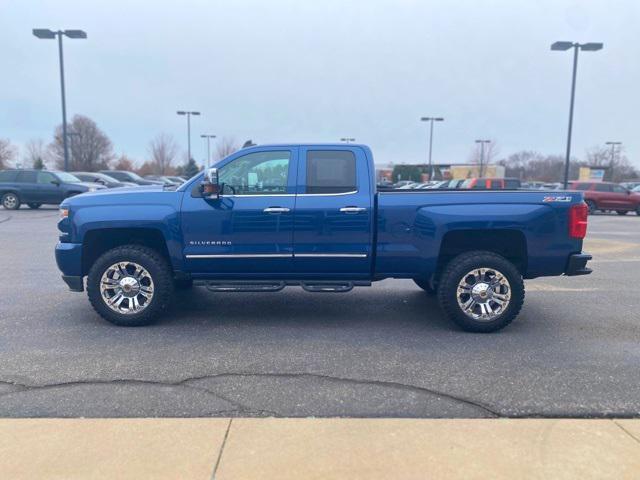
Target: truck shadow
[293,306]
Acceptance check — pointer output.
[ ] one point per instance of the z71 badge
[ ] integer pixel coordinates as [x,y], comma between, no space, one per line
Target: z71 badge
[564,198]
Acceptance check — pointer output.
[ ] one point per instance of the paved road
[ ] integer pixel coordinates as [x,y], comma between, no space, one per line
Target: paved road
[383,351]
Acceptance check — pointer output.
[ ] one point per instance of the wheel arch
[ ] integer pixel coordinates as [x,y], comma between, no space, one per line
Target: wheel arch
[100,240]
[509,243]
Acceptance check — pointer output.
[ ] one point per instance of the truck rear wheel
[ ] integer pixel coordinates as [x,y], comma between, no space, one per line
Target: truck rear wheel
[130,285]
[481,291]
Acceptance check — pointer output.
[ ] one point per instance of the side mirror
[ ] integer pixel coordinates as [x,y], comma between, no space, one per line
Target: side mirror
[210,187]
[55,182]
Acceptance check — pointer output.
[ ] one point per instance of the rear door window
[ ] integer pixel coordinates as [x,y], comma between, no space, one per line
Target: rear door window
[331,171]
[582,186]
[27,177]
[603,187]
[8,176]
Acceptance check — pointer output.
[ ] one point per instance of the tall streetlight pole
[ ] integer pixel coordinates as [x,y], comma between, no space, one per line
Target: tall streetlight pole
[431,120]
[613,155]
[347,139]
[482,144]
[208,137]
[46,34]
[563,46]
[188,114]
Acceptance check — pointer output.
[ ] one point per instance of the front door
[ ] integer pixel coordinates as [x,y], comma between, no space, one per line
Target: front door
[248,231]
[334,214]
[48,191]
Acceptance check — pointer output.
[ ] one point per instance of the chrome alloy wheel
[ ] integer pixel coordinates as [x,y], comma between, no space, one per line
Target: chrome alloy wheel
[483,294]
[126,287]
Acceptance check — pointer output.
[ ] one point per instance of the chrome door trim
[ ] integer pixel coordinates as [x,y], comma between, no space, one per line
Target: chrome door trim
[330,255]
[242,255]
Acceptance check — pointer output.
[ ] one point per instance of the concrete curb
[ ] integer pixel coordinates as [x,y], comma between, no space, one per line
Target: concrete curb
[319,448]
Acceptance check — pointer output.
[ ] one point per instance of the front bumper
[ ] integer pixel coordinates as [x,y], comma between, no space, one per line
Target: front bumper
[577,264]
[69,260]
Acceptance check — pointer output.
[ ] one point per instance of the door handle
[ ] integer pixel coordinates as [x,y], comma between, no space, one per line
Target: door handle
[276,210]
[353,209]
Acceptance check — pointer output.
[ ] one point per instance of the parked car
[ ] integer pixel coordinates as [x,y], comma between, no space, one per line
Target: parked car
[630,185]
[267,217]
[178,180]
[163,179]
[492,183]
[102,179]
[404,183]
[637,189]
[125,176]
[453,184]
[38,187]
[608,196]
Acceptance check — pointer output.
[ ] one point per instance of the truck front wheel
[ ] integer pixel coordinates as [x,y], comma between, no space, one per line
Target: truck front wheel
[130,285]
[481,291]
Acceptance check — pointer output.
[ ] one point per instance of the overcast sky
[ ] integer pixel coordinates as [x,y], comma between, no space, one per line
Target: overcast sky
[315,71]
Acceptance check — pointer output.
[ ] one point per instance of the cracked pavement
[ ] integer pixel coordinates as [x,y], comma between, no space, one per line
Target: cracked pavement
[384,351]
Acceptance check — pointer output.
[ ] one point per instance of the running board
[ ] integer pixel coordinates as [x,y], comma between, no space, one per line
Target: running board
[330,287]
[239,286]
[315,286]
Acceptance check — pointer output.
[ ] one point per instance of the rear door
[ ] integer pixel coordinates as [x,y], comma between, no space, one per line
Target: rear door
[333,226]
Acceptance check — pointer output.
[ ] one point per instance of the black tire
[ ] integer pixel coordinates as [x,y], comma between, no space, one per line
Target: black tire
[11,201]
[638,210]
[457,270]
[34,206]
[622,212]
[159,271]
[426,286]
[592,206]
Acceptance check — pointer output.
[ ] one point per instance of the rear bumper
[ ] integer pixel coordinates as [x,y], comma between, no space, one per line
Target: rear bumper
[577,264]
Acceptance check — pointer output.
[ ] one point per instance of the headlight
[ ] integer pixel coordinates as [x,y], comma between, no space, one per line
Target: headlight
[64,213]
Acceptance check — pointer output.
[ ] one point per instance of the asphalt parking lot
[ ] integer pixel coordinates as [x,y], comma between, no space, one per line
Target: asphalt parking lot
[385,351]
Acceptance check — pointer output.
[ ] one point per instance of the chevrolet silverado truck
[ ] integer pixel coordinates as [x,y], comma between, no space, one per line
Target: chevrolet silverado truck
[272,216]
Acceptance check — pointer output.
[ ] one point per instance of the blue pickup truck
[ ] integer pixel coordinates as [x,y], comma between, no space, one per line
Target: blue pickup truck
[272,216]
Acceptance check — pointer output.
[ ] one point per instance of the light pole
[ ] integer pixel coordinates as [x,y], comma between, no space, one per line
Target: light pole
[208,137]
[347,139]
[46,34]
[563,46]
[188,114]
[431,120]
[482,144]
[613,155]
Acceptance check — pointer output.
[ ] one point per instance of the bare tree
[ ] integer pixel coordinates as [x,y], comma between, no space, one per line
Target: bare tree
[90,149]
[124,163]
[36,154]
[491,151]
[163,150]
[225,147]
[618,166]
[7,153]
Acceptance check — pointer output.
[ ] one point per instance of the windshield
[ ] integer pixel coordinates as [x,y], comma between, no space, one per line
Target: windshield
[67,177]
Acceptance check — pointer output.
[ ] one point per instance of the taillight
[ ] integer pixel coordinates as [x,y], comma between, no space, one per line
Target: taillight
[578,215]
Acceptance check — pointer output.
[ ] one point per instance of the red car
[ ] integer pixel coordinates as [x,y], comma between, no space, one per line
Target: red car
[608,196]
